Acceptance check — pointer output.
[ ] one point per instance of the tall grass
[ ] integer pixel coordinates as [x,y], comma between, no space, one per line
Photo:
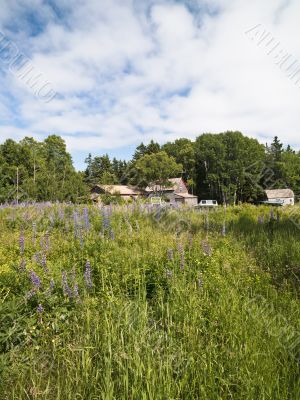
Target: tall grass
[177,309]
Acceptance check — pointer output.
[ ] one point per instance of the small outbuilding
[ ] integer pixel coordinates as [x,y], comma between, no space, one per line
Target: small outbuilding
[284,196]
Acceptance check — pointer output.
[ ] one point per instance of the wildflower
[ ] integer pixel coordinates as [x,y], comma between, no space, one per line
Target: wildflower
[52,284]
[75,290]
[30,294]
[44,264]
[65,286]
[22,242]
[40,309]
[87,275]
[35,280]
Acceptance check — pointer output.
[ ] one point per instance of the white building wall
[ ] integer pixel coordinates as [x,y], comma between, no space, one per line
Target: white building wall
[287,201]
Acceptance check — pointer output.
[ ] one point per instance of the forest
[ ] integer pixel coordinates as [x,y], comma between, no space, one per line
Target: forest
[229,167]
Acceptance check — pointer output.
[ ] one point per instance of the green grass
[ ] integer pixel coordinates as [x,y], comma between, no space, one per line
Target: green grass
[220,326]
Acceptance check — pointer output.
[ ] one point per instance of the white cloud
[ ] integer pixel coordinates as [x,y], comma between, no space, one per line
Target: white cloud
[128,71]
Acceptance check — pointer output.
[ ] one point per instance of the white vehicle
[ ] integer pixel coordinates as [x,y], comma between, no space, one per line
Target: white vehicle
[207,203]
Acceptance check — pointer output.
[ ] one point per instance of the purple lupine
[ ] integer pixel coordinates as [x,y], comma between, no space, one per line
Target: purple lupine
[52,284]
[75,290]
[88,275]
[44,263]
[271,215]
[278,217]
[30,294]
[40,309]
[35,280]
[22,242]
[65,285]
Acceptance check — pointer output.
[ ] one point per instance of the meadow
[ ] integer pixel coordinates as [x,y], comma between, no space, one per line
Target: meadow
[139,302]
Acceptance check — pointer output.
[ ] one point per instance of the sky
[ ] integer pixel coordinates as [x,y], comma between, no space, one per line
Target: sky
[113,73]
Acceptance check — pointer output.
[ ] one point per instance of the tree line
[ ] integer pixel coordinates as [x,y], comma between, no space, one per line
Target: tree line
[229,167]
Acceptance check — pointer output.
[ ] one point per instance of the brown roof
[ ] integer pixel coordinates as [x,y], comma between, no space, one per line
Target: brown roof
[123,190]
[279,193]
[176,184]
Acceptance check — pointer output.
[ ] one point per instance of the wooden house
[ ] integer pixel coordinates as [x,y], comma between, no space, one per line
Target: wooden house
[284,196]
[176,191]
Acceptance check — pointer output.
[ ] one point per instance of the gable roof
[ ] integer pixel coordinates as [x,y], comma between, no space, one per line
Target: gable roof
[177,185]
[123,190]
[279,193]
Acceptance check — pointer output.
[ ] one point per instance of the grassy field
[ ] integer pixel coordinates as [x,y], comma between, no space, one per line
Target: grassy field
[141,303]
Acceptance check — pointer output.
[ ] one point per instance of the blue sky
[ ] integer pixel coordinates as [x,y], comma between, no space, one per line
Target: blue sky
[126,71]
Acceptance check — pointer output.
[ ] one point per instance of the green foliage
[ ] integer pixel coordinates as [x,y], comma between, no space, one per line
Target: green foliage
[155,169]
[228,167]
[44,169]
[176,310]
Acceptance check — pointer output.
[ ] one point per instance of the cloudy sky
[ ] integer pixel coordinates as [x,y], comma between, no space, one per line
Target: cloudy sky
[126,71]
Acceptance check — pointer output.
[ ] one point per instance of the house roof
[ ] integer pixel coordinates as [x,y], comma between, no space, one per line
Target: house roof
[123,190]
[279,193]
[176,185]
[186,195]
